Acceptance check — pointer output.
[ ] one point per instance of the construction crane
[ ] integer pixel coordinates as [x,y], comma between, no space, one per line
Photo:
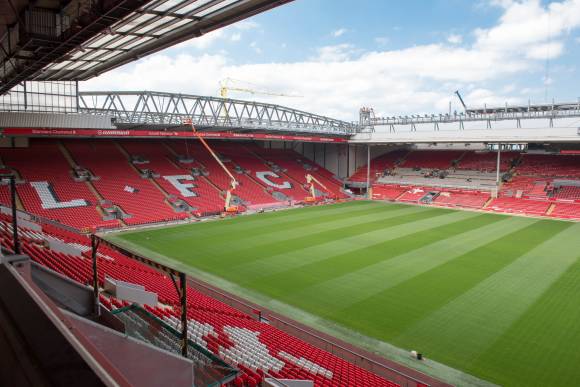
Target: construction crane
[226,86]
[310,180]
[233,182]
[461,100]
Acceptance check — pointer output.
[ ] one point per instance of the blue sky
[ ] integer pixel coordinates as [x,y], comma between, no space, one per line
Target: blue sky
[397,57]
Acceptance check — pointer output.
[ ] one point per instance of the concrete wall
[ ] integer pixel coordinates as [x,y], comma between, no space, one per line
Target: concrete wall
[14,142]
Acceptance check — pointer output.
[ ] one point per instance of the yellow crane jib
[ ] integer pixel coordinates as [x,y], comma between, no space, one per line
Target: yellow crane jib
[228,84]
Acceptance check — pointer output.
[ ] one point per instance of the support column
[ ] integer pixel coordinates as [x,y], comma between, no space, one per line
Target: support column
[16,240]
[183,300]
[498,166]
[368,171]
[95,246]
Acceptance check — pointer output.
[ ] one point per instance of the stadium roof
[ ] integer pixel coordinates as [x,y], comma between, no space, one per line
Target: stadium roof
[137,110]
[55,40]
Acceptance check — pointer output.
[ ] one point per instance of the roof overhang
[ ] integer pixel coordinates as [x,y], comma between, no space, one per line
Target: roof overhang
[49,41]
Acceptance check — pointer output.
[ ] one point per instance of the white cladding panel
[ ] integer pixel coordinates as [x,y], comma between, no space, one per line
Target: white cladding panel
[48,120]
[529,130]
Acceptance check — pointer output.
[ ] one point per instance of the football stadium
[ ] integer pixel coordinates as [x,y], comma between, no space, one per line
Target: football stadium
[161,238]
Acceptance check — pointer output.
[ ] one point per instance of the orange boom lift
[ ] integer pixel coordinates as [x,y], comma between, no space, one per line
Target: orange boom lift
[233,182]
[310,180]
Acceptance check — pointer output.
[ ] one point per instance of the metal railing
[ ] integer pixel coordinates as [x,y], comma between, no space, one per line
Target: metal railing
[485,114]
[310,336]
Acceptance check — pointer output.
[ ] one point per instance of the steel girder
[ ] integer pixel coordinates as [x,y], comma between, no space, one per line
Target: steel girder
[207,113]
[549,111]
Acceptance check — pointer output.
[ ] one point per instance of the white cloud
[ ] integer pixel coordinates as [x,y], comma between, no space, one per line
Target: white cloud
[455,39]
[501,3]
[236,37]
[526,24]
[545,50]
[203,42]
[381,40]
[256,48]
[336,53]
[339,32]
[509,88]
[245,25]
[341,78]
[481,97]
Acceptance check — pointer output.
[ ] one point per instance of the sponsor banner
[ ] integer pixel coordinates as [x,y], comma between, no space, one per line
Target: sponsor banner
[570,152]
[118,133]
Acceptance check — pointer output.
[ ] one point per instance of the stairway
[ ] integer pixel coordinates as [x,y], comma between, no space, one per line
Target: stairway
[72,163]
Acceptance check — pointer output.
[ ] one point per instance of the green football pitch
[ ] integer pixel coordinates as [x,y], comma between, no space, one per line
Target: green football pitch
[494,296]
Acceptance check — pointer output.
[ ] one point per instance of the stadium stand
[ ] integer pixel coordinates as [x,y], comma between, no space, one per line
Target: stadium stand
[429,159]
[462,198]
[203,196]
[297,167]
[119,182]
[43,162]
[413,194]
[130,175]
[518,206]
[249,190]
[566,211]
[256,348]
[379,165]
[520,186]
[467,179]
[550,165]
[388,192]
[567,192]
[262,174]
[487,161]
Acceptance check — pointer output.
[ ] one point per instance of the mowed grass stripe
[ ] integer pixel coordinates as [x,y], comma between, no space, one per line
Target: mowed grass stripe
[387,315]
[247,250]
[482,314]
[283,231]
[212,240]
[273,267]
[298,280]
[248,223]
[215,246]
[239,256]
[541,348]
[360,284]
